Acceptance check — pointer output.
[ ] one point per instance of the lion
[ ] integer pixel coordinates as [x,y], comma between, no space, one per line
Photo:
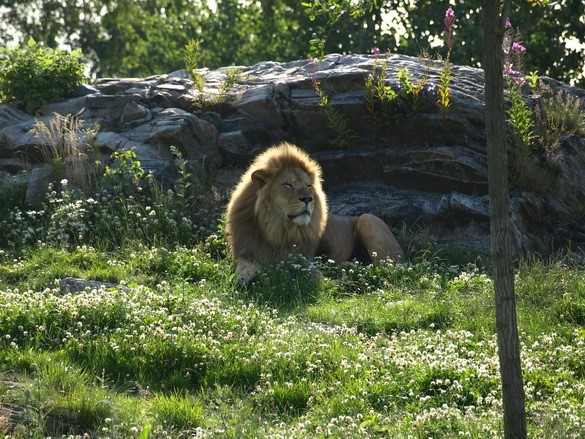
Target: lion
[279,208]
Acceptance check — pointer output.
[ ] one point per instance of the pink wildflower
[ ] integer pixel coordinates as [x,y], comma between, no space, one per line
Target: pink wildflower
[449,18]
[518,47]
[449,21]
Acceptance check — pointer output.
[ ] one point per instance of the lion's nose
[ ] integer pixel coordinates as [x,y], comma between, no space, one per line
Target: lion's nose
[306,200]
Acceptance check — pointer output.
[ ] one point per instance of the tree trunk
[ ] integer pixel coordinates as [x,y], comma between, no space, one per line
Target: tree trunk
[501,231]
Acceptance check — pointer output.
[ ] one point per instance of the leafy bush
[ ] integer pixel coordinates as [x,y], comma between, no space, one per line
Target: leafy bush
[34,75]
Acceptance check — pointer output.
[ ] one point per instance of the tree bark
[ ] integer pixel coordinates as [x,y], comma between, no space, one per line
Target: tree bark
[500,225]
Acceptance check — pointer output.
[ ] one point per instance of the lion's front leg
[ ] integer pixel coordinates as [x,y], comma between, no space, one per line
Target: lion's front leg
[245,269]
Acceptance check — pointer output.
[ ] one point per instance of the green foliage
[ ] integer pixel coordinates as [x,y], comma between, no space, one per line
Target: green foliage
[520,118]
[377,93]
[140,38]
[333,11]
[33,75]
[301,286]
[444,101]
[192,55]
[220,102]
[412,92]
[176,358]
[132,206]
[126,169]
[178,412]
[388,106]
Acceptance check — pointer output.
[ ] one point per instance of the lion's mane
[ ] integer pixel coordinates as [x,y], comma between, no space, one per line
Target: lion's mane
[256,231]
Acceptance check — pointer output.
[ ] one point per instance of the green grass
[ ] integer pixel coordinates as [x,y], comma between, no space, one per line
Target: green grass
[179,350]
[410,353]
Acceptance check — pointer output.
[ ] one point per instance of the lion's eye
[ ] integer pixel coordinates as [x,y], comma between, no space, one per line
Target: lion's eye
[287,185]
[309,186]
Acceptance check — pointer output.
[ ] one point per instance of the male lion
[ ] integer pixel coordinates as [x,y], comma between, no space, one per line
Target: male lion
[279,208]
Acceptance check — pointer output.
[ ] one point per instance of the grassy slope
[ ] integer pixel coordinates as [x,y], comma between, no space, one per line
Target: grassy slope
[405,351]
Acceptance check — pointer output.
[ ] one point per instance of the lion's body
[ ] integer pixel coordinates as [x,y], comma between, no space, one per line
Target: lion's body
[259,226]
[279,208]
[366,238]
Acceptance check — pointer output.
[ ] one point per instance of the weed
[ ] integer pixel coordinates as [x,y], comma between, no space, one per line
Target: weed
[378,96]
[221,103]
[520,118]
[444,102]
[126,170]
[558,113]
[232,77]
[446,76]
[192,55]
[387,105]
[200,100]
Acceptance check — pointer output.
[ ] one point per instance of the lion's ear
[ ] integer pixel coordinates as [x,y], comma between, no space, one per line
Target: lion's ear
[260,177]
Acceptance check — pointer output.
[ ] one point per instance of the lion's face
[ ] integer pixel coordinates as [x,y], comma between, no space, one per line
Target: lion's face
[290,194]
[293,194]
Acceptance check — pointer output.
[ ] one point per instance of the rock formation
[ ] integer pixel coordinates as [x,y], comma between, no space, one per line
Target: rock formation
[415,168]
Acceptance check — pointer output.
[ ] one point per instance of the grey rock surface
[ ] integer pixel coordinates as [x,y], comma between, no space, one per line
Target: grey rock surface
[415,169]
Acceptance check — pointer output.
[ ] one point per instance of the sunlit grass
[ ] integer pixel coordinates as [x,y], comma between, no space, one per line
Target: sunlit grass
[409,362]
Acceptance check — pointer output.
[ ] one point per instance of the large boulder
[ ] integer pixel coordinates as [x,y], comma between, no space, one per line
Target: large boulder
[416,168]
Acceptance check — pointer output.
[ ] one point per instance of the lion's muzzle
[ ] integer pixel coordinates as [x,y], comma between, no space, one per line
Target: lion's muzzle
[304,216]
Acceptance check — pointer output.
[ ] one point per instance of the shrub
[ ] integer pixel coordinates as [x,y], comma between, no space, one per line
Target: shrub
[33,75]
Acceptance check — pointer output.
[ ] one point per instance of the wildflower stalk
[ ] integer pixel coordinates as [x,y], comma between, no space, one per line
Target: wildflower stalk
[519,114]
[444,101]
[520,118]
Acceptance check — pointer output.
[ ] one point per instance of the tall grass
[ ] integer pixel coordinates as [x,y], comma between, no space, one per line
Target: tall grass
[69,150]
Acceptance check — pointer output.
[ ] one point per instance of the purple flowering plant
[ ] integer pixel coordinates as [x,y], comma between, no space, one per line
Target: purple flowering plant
[519,114]
[449,21]
[518,47]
